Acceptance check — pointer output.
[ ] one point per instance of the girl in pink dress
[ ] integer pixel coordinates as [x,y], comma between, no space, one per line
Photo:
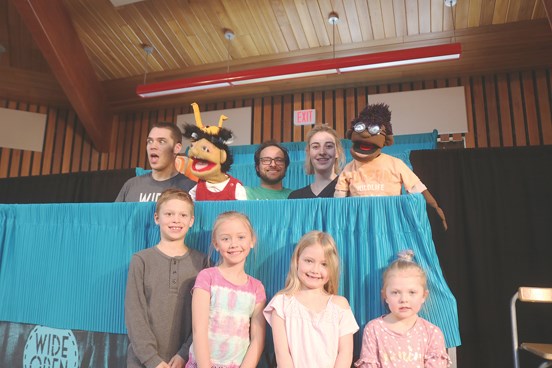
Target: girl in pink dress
[312,326]
[402,338]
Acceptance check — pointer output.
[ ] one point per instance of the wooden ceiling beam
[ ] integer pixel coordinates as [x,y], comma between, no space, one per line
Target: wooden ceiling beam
[53,32]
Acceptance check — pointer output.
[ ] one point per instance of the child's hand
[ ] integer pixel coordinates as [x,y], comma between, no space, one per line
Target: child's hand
[162,365]
[176,362]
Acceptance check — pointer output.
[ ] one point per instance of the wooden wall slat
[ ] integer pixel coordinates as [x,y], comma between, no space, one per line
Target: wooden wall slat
[5,156]
[77,149]
[15,163]
[530,108]
[94,160]
[257,119]
[142,141]
[479,112]
[520,138]
[339,106]
[287,119]
[277,117]
[350,106]
[492,112]
[59,138]
[503,110]
[47,153]
[457,137]
[127,143]
[121,134]
[67,155]
[37,156]
[441,83]
[115,131]
[268,125]
[361,100]
[10,152]
[319,107]
[136,142]
[544,97]
[308,104]
[86,148]
[27,159]
[328,111]
[24,163]
[470,136]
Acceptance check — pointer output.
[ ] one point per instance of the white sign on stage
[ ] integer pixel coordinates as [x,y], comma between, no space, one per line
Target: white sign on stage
[414,112]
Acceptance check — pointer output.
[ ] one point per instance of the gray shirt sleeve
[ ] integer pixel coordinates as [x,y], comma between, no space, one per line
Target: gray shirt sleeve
[141,336]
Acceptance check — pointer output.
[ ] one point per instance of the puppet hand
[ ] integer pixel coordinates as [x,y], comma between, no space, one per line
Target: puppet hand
[441,215]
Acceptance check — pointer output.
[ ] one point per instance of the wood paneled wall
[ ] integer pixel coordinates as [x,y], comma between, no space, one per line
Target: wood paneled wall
[504,110]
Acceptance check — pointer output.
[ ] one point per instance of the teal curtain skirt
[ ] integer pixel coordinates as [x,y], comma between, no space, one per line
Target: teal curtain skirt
[65,265]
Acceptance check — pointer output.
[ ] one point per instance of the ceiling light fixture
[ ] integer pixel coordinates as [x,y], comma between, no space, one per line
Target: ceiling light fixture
[333,18]
[305,69]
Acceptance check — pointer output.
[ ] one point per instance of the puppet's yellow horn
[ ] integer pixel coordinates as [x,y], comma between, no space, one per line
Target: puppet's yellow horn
[221,119]
[197,115]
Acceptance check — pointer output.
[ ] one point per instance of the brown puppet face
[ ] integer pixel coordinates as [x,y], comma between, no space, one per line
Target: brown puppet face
[370,132]
[207,160]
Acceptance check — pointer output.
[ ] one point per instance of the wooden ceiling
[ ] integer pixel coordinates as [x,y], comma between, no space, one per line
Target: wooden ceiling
[76,50]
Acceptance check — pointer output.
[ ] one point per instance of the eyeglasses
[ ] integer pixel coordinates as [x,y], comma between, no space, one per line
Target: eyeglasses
[372,129]
[268,160]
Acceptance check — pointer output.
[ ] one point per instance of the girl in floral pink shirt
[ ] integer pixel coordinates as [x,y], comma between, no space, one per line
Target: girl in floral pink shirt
[402,338]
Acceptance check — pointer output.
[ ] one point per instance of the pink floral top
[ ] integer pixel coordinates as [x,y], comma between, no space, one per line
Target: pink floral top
[423,346]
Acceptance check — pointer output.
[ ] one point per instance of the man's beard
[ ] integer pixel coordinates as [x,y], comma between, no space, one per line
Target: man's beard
[272,181]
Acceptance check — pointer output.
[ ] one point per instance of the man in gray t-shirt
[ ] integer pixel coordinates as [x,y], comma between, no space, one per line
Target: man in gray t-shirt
[163,144]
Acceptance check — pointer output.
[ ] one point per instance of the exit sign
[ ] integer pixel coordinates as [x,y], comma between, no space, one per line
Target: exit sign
[304,117]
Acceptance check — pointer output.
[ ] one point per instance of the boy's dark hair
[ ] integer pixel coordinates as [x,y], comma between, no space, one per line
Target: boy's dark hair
[176,133]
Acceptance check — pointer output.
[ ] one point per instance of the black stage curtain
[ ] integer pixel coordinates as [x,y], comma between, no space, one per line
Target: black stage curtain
[498,205]
[97,186]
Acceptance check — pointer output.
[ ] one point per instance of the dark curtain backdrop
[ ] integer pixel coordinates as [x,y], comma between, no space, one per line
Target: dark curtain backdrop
[88,187]
[498,205]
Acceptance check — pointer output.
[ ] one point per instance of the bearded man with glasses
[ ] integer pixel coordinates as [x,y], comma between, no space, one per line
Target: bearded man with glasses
[271,163]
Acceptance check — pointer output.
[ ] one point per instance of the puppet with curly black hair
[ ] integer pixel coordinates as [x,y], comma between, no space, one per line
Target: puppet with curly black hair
[373,173]
[211,160]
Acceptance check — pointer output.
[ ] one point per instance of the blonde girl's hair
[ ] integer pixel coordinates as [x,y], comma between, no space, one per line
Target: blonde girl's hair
[173,193]
[339,161]
[325,240]
[225,216]
[404,262]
